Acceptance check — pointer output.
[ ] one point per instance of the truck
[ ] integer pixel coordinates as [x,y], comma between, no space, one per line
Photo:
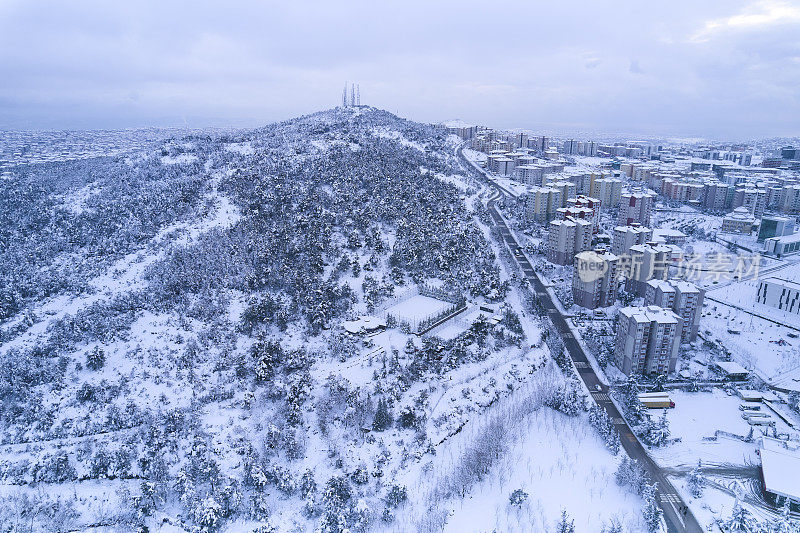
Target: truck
[750,406]
[761,421]
[747,415]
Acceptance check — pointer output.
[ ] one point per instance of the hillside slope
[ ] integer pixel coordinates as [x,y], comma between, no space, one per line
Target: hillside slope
[171,349]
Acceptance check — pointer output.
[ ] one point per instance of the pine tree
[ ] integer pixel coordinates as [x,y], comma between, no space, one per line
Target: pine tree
[695,481]
[96,359]
[383,419]
[651,512]
[784,523]
[740,521]
[565,525]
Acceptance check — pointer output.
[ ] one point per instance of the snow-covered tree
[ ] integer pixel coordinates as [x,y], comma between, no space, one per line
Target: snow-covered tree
[565,524]
[651,513]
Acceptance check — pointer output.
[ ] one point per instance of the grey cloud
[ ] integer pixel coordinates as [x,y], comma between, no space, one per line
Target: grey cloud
[99,63]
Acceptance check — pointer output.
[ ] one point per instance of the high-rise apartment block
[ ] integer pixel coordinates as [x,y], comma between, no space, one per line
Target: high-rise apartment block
[648,339]
[568,237]
[682,298]
[635,207]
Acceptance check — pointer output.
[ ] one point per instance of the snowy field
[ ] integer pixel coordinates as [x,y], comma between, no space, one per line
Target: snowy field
[761,345]
[417,308]
[696,417]
[558,461]
[578,478]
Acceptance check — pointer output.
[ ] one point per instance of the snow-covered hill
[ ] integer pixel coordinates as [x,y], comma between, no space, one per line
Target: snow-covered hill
[171,345]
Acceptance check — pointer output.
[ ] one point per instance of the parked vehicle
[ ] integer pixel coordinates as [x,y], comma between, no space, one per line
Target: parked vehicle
[747,415]
[761,421]
[750,406]
[657,403]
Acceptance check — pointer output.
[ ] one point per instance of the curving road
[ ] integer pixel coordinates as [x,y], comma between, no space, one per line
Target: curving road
[668,498]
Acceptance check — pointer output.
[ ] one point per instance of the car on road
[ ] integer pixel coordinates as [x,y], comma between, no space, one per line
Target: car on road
[598,388]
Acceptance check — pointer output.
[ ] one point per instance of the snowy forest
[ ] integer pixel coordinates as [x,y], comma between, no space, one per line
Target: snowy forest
[172,356]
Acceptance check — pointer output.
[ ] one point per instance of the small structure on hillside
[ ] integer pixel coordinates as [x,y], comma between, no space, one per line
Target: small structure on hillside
[732,370]
[364,325]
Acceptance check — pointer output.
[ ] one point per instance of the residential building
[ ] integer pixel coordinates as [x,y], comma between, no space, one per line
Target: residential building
[717,196]
[789,201]
[567,238]
[755,200]
[541,203]
[647,261]
[635,207]
[627,236]
[647,341]
[594,279]
[529,174]
[607,190]
[682,298]
[570,147]
[500,164]
[669,236]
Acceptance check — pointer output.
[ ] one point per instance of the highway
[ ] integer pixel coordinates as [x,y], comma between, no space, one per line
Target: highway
[668,498]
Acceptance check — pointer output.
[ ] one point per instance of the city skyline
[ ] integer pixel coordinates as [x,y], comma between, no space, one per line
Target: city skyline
[720,70]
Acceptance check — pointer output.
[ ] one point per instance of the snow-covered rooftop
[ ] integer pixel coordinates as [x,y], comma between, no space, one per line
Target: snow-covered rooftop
[780,465]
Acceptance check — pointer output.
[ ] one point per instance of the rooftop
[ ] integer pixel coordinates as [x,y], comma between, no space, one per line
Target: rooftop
[783,283]
[780,465]
[651,313]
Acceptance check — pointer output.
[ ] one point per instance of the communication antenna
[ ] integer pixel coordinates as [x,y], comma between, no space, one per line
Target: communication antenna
[344,95]
[358,95]
[353,95]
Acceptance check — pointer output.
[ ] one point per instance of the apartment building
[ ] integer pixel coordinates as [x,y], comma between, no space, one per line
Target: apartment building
[647,261]
[607,190]
[626,236]
[789,201]
[635,207]
[529,174]
[682,298]
[647,341]
[567,238]
[717,196]
[755,200]
[541,203]
[594,279]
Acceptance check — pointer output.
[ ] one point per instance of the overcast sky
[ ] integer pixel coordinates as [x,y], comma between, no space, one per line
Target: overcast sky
[716,68]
